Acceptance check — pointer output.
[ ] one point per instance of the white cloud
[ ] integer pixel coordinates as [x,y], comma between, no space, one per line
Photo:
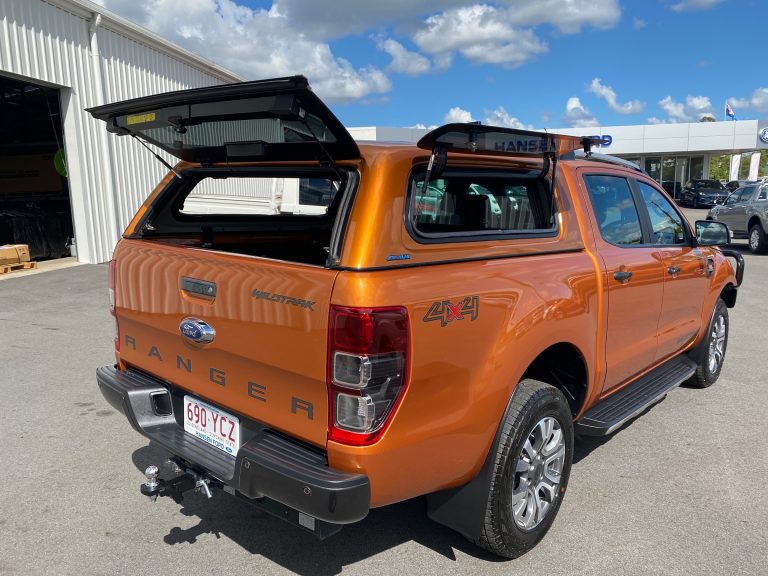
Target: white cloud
[691,110]
[457,114]
[255,43]
[569,16]
[480,34]
[654,120]
[501,32]
[757,102]
[690,5]
[607,93]
[577,115]
[290,37]
[500,117]
[404,61]
[639,23]
[329,20]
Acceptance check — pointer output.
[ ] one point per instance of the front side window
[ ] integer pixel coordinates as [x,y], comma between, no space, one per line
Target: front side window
[614,209]
[737,196]
[467,203]
[746,194]
[666,224]
[763,193]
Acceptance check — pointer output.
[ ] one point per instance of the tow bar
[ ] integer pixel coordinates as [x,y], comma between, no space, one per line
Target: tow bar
[187,479]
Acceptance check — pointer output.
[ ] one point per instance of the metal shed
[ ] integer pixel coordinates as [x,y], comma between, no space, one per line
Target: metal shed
[82,55]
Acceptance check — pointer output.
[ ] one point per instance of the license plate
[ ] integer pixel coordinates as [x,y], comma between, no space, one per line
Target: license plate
[214,426]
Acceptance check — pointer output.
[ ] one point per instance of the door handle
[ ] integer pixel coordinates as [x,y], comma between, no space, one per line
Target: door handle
[622,276]
[673,270]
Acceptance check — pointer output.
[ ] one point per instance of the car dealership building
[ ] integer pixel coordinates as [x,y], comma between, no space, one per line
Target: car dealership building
[669,153]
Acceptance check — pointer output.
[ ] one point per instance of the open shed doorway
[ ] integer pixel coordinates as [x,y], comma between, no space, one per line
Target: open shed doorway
[35,204]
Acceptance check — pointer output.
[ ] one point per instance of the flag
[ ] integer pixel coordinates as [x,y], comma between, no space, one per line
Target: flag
[729,112]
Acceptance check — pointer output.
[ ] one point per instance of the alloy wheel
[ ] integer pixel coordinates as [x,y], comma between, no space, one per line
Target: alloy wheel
[538,472]
[717,344]
[754,239]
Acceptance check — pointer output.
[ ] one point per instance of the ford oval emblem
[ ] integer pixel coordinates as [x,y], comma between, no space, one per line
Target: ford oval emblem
[197,330]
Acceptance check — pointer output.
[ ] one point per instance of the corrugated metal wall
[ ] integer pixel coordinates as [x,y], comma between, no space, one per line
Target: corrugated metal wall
[109,177]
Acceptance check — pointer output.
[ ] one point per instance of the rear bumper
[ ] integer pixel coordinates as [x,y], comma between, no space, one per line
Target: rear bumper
[268,465]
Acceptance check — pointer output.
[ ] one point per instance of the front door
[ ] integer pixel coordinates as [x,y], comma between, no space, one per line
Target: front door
[734,211]
[685,270]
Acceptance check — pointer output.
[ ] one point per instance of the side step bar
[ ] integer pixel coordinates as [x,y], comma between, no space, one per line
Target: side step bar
[616,409]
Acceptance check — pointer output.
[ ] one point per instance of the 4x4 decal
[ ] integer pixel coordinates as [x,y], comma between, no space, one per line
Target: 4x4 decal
[445,311]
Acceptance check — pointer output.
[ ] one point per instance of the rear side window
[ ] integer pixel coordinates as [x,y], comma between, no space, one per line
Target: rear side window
[465,204]
[614,209]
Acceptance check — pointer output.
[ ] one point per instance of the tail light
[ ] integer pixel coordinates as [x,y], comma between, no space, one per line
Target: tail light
[368,359]
[112,281]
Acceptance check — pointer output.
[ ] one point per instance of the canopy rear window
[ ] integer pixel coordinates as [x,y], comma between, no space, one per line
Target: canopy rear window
[278,119]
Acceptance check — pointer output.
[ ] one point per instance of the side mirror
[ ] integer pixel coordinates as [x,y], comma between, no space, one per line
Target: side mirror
[711,233]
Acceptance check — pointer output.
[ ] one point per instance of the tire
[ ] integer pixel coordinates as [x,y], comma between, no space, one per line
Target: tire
[713,349]
[538,427]
[757,240]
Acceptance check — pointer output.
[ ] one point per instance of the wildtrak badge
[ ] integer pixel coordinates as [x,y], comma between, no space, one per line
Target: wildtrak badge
[283,299]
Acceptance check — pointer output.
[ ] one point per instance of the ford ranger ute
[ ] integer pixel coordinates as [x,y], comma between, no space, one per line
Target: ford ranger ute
[321,328]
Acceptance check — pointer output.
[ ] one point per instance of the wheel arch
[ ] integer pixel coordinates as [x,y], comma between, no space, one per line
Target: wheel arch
[728,295]
[752,221]
[563,366]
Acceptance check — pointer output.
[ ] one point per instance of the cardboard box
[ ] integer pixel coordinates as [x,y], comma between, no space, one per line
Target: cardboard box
[14,254]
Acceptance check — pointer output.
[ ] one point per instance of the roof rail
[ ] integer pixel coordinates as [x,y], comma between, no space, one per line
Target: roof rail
[581,155]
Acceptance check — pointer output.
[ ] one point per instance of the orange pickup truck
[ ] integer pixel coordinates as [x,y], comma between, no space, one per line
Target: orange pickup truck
[320,327]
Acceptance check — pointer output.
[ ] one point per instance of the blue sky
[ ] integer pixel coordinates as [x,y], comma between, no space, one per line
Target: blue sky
[523,63]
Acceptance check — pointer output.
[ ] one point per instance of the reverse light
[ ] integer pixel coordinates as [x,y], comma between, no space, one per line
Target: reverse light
[368,353]
[111,285]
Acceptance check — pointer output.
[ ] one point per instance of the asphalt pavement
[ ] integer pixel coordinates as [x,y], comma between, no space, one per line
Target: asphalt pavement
[681,490]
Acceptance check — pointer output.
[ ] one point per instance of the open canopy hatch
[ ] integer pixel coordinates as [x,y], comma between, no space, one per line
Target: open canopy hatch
[495,140]
[280,119]
[482,139]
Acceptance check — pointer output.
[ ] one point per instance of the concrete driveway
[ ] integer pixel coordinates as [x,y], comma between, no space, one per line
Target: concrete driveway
[680,490]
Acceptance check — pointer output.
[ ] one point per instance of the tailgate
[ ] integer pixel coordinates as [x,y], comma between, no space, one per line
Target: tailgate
[267,360]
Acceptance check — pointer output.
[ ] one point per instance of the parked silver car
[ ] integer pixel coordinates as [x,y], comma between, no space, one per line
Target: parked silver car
[746,214]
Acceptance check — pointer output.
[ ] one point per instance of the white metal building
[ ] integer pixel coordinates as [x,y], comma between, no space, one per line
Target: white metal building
[82,55]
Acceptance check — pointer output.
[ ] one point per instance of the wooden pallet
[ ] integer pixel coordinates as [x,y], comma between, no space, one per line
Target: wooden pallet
[6,268]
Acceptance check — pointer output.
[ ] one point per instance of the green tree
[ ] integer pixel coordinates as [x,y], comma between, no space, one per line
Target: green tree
[719,167]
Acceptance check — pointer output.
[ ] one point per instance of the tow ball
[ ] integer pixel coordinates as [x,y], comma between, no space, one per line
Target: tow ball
[175,488]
